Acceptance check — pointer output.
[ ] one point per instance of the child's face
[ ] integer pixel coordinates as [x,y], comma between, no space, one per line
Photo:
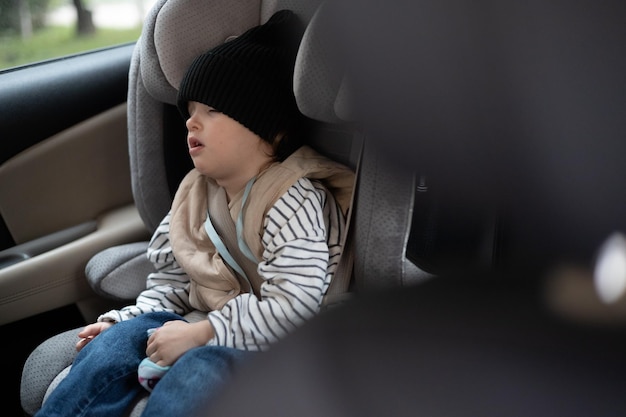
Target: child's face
[221,147]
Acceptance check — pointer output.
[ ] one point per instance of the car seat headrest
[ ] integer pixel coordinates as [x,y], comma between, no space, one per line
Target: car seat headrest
[176,31]
[319,85]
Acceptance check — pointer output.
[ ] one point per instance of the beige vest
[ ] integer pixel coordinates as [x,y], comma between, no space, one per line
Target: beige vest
[213,283]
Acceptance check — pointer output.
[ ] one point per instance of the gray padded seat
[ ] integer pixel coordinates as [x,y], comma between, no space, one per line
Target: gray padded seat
[175,32]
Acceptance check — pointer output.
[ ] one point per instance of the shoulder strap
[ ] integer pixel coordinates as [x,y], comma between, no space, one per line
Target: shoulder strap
[340,284]
[221,229]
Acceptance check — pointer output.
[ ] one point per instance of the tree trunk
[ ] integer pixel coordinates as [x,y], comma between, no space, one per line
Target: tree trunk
[84,19]
[26,22]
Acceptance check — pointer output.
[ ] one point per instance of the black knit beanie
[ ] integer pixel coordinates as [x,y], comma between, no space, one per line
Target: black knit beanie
[249,78]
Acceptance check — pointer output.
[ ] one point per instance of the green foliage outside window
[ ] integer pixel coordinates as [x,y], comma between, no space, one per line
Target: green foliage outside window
[26,36]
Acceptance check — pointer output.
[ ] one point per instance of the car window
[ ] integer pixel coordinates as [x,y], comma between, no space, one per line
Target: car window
[37,30]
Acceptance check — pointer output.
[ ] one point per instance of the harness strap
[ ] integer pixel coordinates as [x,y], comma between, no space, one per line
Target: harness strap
[340,284]
[222,232]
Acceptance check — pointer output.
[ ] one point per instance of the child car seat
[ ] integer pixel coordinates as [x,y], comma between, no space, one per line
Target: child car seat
[175,31]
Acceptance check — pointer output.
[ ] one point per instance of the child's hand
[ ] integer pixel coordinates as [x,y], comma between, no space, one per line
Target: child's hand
[91,331]
[176,337]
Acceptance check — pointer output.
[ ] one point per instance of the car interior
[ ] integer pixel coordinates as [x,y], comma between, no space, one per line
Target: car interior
[488,145]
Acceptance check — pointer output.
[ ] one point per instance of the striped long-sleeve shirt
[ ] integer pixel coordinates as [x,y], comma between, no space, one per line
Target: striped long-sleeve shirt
[301,242]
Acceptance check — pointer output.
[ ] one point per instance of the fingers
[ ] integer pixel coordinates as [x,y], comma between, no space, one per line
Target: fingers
[86,332]
[161,363]
[93,329]
[83,342]
[89,332]
[152,351]
[158,360]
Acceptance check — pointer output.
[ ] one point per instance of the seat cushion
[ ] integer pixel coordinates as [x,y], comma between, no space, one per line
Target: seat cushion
[43,365]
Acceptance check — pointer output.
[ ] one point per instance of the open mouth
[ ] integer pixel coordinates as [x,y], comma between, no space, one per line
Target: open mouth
[194,143]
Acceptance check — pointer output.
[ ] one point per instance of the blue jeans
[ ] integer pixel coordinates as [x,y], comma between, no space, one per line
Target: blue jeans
[103,378]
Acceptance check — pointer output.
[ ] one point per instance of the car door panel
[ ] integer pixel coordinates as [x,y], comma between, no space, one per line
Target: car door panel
[56,277]
[67,179]
[65,189]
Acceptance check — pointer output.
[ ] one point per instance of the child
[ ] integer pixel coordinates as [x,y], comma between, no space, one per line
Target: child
[237,100]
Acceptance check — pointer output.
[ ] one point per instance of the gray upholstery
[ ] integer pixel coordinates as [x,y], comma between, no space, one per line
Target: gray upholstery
[56,380]
[382,217]
[382,225]
[112,273]
[174,33]
[43,365]
[315,68]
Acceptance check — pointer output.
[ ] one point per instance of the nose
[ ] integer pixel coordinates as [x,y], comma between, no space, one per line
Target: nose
[191,123]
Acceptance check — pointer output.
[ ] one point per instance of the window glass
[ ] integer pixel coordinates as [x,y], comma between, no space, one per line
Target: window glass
[37,30]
